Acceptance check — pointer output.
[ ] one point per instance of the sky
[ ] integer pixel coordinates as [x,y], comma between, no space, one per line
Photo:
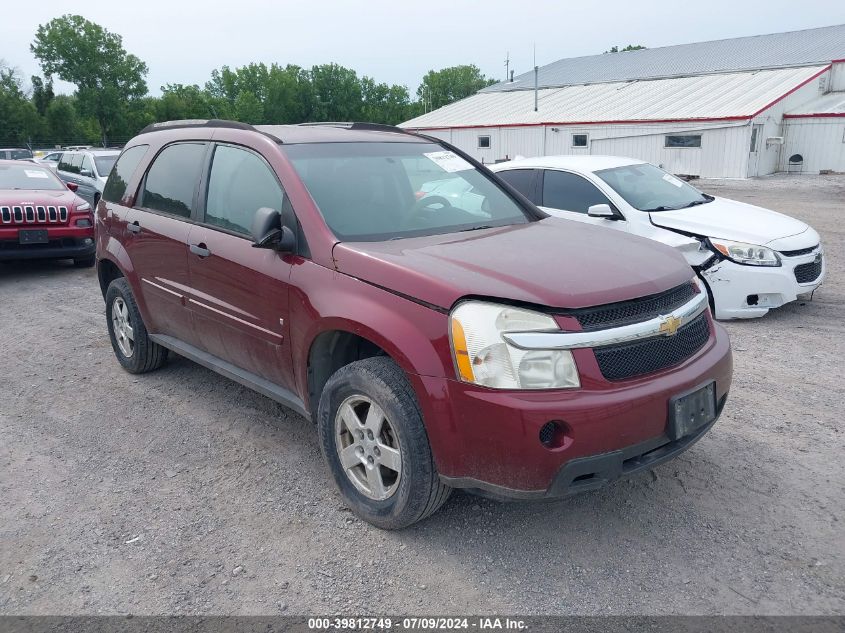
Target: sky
[181,41]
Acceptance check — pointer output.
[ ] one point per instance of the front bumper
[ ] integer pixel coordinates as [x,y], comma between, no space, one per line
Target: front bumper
[59,248]
[488,440]
[767,287]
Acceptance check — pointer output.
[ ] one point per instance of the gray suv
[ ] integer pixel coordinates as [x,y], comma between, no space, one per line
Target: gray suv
[88,170]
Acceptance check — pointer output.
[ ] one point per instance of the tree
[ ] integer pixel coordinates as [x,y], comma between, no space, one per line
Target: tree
[19,120]
[337,93]
[630,47]
[442,87]
[107,78]
[42,93]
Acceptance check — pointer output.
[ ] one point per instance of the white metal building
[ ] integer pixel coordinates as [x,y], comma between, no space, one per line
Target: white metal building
[727,108]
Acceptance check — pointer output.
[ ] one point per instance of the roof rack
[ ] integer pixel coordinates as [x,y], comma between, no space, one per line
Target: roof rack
[183,123]
[361,125]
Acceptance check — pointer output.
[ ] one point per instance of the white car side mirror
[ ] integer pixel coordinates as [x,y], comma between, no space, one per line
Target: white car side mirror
[602,211]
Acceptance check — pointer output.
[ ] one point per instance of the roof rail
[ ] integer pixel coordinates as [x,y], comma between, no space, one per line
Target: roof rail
[183,123]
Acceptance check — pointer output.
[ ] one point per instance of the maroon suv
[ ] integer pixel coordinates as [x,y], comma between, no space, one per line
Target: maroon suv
[440,330]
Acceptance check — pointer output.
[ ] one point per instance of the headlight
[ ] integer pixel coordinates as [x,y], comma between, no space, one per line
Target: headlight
[83,207]
[743,253]
[483,357]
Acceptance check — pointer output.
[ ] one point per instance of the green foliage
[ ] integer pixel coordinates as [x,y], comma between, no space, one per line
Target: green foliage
[107,78]
[442,87]
[111,103]
[630,47]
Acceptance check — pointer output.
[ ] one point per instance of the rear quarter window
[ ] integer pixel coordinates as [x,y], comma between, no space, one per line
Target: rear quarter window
[172,179]
[115,188]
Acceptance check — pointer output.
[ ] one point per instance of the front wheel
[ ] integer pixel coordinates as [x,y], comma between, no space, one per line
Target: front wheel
[373,438]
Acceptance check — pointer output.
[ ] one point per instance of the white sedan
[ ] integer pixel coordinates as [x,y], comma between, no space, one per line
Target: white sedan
[751,259]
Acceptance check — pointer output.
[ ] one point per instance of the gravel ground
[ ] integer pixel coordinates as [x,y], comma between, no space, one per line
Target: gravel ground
[182,492]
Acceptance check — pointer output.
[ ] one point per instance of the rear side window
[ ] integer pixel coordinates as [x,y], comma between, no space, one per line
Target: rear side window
[519,179]
[562,190]
[240,183]
[172,180]
[66,163]
[126,165]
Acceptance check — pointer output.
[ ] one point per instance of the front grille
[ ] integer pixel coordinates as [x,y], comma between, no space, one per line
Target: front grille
[805,273]
[33,215]
[799,252]
[618,362]
[634,311]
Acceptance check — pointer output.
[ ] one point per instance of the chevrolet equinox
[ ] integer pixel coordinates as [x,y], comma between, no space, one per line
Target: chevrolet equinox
[440,329]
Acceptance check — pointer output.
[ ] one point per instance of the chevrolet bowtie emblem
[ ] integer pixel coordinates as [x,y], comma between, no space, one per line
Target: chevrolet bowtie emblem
[669,325]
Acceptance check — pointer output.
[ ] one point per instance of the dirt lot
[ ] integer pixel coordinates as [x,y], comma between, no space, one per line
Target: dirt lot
[181,492]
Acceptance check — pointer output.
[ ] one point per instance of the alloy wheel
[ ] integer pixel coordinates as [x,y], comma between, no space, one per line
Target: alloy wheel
[124,333]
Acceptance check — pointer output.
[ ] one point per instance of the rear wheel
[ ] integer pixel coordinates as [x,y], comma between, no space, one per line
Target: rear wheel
[130,341]
[373,438]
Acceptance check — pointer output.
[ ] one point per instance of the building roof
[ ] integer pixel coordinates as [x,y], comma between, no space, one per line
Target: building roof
[778,50]
[830,105]
[584,163]
[731,96]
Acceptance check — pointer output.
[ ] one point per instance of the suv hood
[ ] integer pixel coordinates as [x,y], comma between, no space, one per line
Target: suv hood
[552,262]
[36,197]
[730,220]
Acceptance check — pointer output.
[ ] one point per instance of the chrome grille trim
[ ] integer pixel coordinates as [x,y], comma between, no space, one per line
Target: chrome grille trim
[18,214]
[611,336]
[52,214]
[29,210]
[63,214]
[41,213]
[6,215]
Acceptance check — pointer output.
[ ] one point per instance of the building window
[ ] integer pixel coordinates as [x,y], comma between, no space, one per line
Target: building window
[483,142]
[689,140]
[579,140]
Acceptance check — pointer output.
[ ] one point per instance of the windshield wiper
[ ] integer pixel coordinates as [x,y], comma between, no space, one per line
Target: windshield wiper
[476,228]
[695,203]
[662,208]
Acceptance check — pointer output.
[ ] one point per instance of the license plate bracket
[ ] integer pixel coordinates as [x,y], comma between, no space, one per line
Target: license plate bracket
[690,411]
[33,236]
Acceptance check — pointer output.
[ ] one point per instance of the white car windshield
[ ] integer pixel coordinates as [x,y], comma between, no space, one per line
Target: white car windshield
[648,188]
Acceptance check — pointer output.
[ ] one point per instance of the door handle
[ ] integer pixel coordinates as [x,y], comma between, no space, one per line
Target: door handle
[200,250]
[134,227]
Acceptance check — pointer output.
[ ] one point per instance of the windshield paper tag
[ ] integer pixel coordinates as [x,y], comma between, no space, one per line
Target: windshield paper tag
[36,173]
[672,180]
[448,161]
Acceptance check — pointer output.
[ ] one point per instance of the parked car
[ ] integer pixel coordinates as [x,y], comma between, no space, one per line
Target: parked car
[751,259]
[41,217]
[88,170]
[15,153]
[517,355]
[50,160]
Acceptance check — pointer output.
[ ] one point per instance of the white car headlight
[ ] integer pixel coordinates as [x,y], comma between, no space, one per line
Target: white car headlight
[483,357]
[83,207]
[743,253]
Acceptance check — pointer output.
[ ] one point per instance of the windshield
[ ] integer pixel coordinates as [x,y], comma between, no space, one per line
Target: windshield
[382,191]
[28,176]
[648,188]
[104,164]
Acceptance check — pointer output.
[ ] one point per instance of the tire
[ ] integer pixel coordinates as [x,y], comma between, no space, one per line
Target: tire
[85,262]
[417,492]
[144,355]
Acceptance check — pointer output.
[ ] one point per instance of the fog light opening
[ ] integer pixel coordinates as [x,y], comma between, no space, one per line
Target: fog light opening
[752,300]
[554,434]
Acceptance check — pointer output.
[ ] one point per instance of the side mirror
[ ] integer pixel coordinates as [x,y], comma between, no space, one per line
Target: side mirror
[602,211]
[87,173]
[268,232]
[72,186]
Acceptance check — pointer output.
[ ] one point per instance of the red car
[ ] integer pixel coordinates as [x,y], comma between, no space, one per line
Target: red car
[41,217]
[437,343]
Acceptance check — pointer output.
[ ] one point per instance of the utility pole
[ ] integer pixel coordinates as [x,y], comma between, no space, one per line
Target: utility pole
[507,65]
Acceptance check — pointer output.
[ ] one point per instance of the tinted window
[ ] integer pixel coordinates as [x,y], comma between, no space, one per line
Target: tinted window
[562,190]
[519,179]
[579,140]
[18,154]
[483,142]
[126,165]
[691,140]
[239,185]
[172,179]
[66,163]
[381,191]
[104,164]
